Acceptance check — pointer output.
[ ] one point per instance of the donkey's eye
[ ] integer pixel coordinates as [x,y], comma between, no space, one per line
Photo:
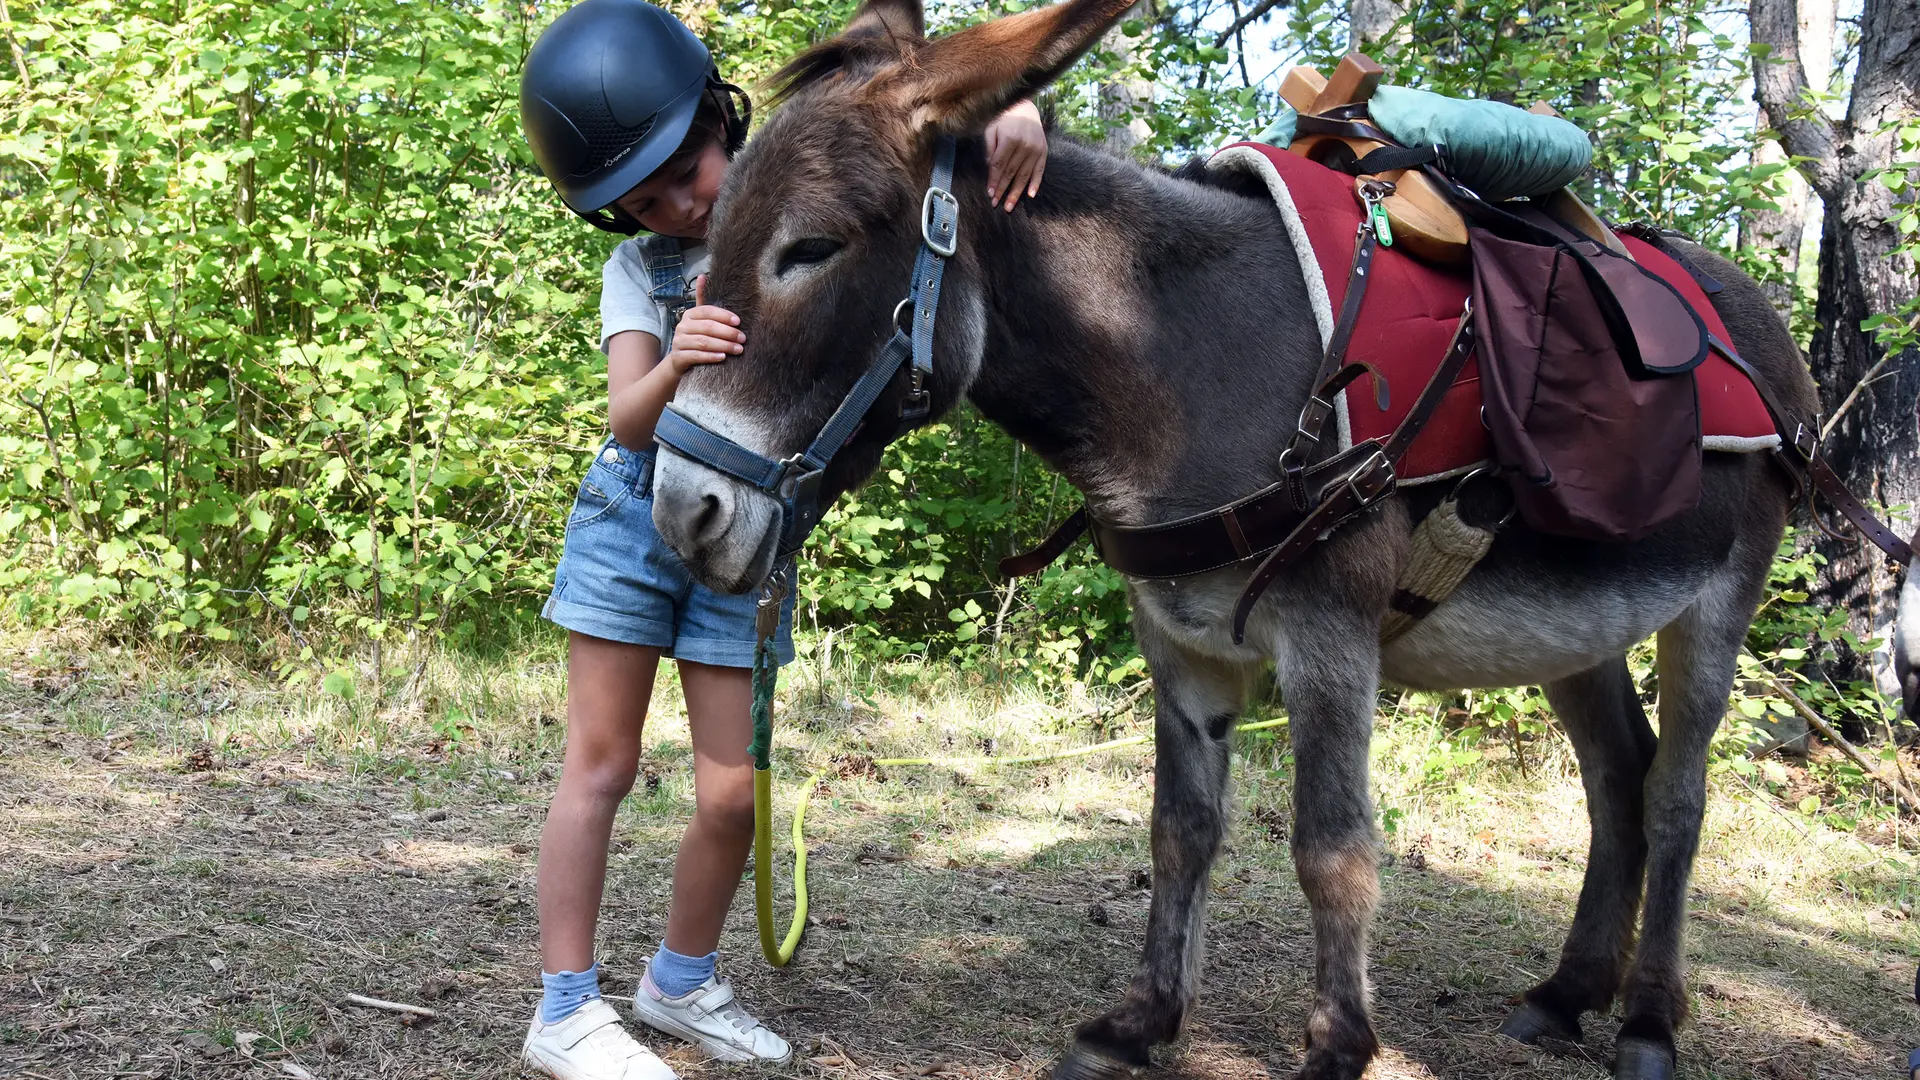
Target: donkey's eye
[811,251]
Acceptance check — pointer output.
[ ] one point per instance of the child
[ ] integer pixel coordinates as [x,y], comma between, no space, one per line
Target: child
[633,125]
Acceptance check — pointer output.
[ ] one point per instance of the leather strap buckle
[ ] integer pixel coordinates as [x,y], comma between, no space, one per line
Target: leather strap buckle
[1373,481]
[1805,442]
[1313,416]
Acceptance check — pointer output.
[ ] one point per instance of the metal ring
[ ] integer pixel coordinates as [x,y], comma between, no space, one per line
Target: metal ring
[1513,505]
[907,307]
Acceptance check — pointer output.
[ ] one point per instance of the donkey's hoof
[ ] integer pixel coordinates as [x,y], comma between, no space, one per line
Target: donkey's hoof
[1083,1063]
[1530,1023]
[1642,1059]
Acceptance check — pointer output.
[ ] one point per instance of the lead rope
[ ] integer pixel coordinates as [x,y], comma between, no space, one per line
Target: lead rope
[766,675]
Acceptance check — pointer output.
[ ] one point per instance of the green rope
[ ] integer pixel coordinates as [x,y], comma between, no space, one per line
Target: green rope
[766,673]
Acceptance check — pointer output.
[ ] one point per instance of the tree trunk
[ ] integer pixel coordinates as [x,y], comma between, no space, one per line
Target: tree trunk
[1373,20]
[1782,229]
[1123,100]
[1874,446]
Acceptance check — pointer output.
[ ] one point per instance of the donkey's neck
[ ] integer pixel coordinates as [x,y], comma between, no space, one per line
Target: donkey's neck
[1150,336]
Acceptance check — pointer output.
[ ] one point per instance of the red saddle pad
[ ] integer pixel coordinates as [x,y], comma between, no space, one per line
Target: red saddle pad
[1408,318]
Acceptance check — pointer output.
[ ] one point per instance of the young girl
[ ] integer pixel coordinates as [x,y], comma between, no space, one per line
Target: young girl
[633,125]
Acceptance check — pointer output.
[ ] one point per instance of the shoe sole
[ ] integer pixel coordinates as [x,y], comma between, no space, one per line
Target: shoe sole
[720,1050]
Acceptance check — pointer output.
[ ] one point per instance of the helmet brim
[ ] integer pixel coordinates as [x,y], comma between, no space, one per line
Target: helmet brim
[669,131]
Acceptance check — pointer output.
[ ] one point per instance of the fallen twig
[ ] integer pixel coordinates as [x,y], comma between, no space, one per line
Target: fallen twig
[390,1006]
[1901,792]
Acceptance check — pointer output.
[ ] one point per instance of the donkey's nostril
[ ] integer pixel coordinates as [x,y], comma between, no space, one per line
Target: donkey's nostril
[708,520]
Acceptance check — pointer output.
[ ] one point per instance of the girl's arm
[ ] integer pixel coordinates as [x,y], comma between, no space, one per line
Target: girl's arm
[1016,154]
[640,383]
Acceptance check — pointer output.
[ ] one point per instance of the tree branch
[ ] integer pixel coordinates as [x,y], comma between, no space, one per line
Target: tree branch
[1902,794]
[1780,86]
[1246,20]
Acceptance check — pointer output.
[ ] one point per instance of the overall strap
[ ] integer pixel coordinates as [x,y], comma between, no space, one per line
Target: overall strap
[668,269]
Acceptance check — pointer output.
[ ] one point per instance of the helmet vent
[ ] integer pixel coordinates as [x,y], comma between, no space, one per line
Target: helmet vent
[608,140]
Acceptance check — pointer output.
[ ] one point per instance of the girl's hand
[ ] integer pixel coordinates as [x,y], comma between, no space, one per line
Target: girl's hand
[1016,154]
[704,335]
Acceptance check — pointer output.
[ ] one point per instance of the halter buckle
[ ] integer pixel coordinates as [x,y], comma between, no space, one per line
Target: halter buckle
[940,235]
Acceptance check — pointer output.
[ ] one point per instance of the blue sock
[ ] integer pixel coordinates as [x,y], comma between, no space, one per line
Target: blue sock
[566,992]
[675,975]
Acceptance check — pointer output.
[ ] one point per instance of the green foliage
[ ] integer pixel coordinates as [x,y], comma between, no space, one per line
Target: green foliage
[907,565]
[294,337]
[1898,331]
[298,344]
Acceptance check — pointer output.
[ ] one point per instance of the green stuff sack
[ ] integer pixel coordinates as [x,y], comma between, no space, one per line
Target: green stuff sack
[1500,151]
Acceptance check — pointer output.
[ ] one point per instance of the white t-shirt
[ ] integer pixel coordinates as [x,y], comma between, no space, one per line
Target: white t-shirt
[626,285]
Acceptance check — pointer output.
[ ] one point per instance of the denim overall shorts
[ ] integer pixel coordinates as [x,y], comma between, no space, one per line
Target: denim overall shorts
[620,581]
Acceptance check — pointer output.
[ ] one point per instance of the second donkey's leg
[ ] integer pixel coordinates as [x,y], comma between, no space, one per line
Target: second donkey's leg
[1196,703]
[1614,744]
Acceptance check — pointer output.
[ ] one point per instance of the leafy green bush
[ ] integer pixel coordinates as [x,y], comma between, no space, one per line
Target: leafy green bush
[296,340]
[298,344]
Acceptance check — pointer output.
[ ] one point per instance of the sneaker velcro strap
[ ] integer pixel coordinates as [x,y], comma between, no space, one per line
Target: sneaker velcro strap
[713,1001]
[588,1019]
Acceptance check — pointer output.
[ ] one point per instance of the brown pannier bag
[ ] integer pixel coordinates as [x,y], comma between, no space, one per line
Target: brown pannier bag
[1586,367]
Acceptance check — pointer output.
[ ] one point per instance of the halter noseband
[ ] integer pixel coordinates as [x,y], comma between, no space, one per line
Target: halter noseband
[795,480]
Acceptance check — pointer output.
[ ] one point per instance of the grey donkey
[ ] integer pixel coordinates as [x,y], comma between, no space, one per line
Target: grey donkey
[1151,336]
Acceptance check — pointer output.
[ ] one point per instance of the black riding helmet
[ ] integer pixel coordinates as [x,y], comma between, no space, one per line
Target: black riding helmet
[608,93]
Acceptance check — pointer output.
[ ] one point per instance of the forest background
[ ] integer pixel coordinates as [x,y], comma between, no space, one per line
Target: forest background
[299,355]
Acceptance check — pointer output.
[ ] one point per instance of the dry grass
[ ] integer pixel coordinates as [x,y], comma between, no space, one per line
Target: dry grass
[196,866]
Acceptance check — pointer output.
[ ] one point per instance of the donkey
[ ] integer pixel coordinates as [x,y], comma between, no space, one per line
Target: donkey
[1150,335]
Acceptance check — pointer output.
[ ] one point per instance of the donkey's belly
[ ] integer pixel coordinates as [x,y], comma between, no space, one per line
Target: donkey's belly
[1508,627]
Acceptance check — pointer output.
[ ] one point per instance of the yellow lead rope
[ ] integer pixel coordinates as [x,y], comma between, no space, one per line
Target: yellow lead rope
[779,954]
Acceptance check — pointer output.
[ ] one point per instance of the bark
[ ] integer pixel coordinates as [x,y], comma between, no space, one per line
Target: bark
[1374,20]
[1123,101]
[1783,228]
[1875,445]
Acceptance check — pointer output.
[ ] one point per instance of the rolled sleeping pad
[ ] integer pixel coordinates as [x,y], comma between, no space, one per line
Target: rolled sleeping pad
[1499,150]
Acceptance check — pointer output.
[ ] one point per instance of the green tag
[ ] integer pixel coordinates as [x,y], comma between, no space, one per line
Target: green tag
[1381,230]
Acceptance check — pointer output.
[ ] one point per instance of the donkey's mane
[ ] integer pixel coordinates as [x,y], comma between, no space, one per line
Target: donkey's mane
[844,55]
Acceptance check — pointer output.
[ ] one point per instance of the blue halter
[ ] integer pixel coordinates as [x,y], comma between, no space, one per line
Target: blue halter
[795,480]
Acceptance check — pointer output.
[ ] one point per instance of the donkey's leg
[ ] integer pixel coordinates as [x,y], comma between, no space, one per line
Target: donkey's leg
[1330,686]
[1615,746]
[1697,660]
[1196,702]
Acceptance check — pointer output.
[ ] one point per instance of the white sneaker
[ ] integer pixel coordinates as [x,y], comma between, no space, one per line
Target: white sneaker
[710,1017]
[590,1045]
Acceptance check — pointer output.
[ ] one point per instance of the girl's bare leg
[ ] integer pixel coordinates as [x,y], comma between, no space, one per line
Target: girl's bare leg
[714,851]
[608,687]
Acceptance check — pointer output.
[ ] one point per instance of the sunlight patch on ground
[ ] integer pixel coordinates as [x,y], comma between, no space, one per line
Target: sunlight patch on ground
[1019,840]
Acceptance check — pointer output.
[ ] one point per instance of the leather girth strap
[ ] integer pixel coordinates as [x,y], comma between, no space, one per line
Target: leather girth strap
[1338,489]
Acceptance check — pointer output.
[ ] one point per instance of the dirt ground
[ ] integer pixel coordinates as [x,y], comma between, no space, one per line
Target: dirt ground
[177,910]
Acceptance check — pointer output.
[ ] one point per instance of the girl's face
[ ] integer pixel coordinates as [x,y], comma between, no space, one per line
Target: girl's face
[676,199]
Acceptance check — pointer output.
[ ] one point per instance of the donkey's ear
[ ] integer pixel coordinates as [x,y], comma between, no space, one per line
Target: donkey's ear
[900,21]
[960,82]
